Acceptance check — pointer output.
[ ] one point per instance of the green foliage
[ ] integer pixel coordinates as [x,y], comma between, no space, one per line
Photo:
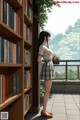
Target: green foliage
[72,75]
[41,91]
[67,45]
[44,6]
[60,75]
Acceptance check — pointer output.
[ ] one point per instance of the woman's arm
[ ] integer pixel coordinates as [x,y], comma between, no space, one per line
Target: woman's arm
[40,59]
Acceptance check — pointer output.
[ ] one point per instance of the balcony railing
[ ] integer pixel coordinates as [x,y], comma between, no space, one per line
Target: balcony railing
[67,70]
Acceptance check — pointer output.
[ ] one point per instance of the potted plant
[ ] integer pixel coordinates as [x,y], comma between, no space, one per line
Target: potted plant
[56,59]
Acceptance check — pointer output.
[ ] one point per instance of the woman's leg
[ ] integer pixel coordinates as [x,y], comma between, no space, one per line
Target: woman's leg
[48,84]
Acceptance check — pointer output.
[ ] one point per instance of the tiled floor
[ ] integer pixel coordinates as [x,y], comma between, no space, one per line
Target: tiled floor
[63,107]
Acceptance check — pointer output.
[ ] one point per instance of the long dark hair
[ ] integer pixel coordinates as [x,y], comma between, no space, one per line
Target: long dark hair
[41,38]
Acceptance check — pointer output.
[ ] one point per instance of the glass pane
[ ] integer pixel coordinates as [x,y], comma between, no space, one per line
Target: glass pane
[60,73]
[79,72]
[72,73]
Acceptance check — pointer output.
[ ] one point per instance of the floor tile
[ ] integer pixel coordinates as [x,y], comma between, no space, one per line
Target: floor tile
[58,104]
[73,112]
[59,117]
[71,106]
[63,106]
[73,117]
[59,110]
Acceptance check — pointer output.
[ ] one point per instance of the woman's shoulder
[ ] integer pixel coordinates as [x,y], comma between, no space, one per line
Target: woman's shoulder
[43,46]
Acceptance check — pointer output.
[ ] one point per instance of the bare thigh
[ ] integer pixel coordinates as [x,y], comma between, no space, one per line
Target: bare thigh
[48,84]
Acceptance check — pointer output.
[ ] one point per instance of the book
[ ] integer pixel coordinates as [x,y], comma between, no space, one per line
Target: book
[3,88]
[27,79]
[11,17]
[1,10]
[15,84]
[1,49]
[5,11]
[17,54]
[0,88]
[26,102]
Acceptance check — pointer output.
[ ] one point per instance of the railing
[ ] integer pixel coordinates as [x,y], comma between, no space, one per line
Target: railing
[67,70]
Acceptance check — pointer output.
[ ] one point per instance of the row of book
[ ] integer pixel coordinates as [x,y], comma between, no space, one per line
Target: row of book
[27,34]
[27,79]
[9,17]
[9,52]
[27,57]
[15,86]
[28,10]
[26,101]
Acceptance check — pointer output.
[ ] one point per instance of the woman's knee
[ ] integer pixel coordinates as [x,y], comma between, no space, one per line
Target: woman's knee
[47,91]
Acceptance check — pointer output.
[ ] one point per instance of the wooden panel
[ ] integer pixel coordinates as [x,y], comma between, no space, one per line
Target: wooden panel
[8,33]
[27,21]
[15,4]
[10,99]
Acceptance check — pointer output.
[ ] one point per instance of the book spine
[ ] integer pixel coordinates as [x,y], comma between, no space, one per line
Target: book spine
[5,11]
[17,84]
[2,50]
[17,54]
[0,88]
[8,51]
[14,21]
[3,88]
[11,18]
[14,84]
[21,26]
[5,50]
[1,10]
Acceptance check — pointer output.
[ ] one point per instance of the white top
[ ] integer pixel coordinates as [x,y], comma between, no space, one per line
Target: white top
[45,51]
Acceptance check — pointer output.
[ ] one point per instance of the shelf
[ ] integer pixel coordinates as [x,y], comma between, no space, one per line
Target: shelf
[27,66]
[8,33]
[15,4]
[27,20]
[12,72]
[27,89]
[10,65]
[9,100]
[27,109]
[26,44]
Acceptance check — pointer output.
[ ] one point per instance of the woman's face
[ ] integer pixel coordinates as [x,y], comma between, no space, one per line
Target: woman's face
[48,38]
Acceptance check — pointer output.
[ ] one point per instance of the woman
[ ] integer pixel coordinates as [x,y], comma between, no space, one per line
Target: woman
[47,71]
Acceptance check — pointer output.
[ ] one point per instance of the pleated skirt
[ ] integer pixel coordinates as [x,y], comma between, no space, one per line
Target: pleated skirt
[47,70]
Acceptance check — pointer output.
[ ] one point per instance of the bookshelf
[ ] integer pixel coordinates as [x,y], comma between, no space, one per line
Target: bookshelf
[16,63]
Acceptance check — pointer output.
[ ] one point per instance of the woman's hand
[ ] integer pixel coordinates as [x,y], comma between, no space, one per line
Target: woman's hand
[54,55]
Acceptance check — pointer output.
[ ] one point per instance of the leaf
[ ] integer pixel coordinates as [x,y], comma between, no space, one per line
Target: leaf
[44,6]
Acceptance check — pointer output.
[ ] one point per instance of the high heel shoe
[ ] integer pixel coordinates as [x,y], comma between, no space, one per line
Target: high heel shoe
[46,114]
[50,113]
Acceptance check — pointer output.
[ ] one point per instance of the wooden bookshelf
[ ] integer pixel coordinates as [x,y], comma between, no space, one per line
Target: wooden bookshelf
[10,99]
[16,68]
[16,5]
[10,65]
[28,109]
[27,21]
[10,33]
[27,89]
